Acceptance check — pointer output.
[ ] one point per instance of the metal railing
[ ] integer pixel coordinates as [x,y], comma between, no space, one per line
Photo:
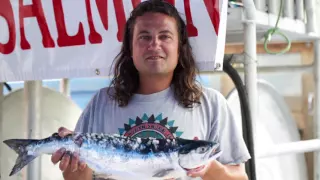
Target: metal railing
[302,10]
[294,9]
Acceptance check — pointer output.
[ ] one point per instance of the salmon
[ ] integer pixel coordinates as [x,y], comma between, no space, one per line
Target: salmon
[119,157]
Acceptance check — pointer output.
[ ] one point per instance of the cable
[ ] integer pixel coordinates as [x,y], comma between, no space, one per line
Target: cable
[7,86]
[246,117]
[275,30]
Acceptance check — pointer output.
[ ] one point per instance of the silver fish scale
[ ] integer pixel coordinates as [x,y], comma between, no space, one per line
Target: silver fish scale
[139,145]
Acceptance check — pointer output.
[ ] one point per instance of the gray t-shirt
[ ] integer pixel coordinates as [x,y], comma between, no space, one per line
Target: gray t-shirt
[160,115]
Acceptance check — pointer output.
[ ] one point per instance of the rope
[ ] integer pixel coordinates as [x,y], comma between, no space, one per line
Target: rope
[276,30]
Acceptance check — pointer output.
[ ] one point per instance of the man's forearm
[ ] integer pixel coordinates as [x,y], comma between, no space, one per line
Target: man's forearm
[236,172]
[226,172]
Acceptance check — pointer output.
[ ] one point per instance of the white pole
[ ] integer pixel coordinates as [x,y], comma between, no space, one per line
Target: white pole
[290,148]
[65,87]
[33,108]
[260,4]
[317,105]
[300,9]
[1,119]
[311,27]
[250,54]
[273,7]
[288,9]
[250,65]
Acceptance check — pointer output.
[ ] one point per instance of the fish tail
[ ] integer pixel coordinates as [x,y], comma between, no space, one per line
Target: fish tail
[19,146]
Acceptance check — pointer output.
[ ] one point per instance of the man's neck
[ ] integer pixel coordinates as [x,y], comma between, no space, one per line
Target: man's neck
[154,84]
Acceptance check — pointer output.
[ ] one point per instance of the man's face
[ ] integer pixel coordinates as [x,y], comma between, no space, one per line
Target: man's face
[155,44]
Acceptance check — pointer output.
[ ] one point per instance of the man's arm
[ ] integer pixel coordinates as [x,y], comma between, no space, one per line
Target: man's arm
[217,171]
[237,171]
[225,130]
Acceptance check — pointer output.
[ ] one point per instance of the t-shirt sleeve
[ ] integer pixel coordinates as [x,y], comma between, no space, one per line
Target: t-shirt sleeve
[86,118]
[228,134]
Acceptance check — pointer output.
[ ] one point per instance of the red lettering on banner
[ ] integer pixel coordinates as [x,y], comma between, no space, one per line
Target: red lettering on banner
[6,12]
[63,38]
[171,2]
[102,6]
[192,30]
[135,3]
[120,14]
[121,18]
[213,10]
[94,37]
[34,10]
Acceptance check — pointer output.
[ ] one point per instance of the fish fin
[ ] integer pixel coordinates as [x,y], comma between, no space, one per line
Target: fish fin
[118,175]
[19,146]
[163,172]
[102,176]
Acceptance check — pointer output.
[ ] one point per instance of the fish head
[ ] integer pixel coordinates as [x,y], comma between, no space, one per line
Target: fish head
[194,154]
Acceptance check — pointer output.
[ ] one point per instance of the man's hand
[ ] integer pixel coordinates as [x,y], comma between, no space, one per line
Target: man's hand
[69,164]
[217,171]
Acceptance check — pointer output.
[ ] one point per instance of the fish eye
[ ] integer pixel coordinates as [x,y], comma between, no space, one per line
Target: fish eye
[201,150]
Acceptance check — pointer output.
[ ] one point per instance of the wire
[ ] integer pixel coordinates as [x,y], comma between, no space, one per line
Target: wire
[276,30]
[8,86]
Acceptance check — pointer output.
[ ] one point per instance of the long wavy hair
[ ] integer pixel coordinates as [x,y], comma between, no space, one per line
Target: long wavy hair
[126,77]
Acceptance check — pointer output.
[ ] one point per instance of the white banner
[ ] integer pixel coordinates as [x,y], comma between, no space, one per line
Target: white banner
[51,39]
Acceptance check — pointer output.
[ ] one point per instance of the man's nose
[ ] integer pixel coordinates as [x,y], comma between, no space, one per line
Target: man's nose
[154,44]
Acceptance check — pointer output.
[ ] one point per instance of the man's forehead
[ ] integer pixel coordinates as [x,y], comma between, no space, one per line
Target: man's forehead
[155,20]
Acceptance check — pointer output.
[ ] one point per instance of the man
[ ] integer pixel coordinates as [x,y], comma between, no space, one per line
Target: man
[154,82]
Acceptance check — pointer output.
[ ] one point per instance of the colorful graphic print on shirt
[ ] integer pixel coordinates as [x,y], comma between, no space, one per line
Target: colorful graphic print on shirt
[150,126]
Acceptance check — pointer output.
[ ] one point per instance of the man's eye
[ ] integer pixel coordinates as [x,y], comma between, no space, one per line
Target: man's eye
[164,37]
[145,37]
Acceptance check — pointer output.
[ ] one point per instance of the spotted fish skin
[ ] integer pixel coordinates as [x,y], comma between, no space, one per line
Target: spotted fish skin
[121,157]
[127,144]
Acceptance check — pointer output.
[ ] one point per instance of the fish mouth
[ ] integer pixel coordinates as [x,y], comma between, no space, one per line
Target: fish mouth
[194,169]
[214,153]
